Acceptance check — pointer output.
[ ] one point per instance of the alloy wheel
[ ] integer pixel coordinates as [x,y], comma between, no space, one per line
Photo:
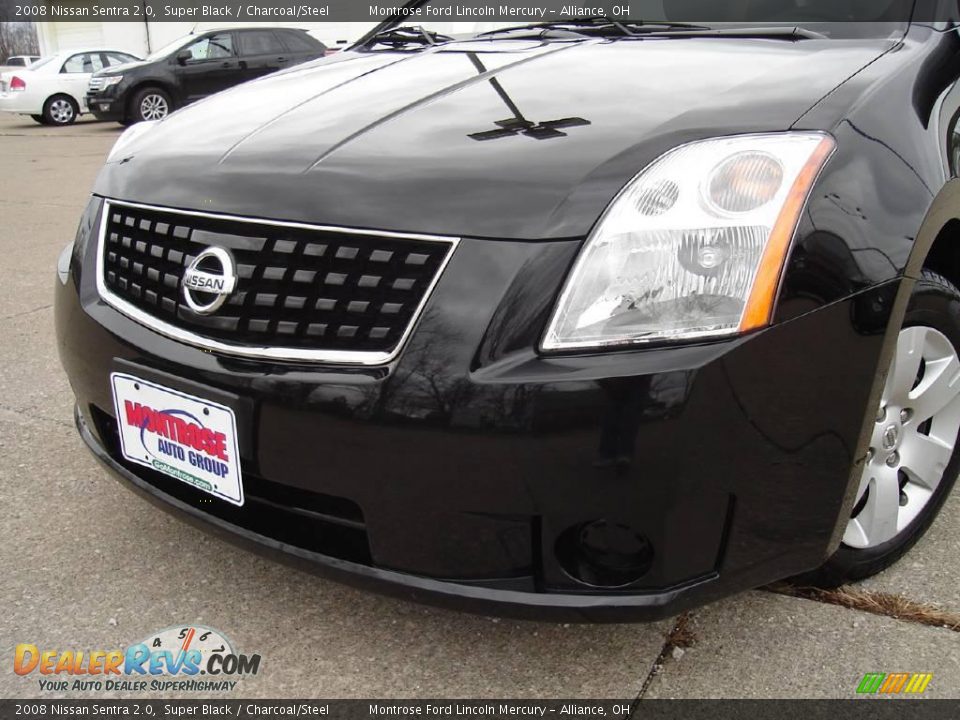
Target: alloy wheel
[914,435]
[61,111]
[154,107]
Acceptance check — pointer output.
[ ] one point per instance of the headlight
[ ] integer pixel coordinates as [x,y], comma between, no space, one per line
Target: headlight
[63,263]
[75,250]
[109,81]
[128,136]
[693,246]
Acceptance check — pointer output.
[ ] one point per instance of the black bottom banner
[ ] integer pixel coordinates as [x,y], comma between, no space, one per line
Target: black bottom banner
[868,709]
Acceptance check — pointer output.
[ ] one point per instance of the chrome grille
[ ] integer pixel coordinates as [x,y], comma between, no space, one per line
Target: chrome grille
[303,292]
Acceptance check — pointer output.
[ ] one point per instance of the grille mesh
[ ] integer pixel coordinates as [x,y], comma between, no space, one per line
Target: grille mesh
[299,288]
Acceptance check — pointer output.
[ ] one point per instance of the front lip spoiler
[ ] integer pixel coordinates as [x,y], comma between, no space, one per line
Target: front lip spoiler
[559,607]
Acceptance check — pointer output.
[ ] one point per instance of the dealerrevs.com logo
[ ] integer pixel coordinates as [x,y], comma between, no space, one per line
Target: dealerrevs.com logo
[182,658]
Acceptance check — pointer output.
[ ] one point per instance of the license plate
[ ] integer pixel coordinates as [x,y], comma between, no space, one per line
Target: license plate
[183,436]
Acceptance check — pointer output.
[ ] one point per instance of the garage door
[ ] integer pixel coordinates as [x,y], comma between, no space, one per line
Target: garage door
[69,35]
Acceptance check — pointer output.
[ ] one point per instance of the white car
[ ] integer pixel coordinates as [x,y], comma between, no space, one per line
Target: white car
[52,90]
[18,62]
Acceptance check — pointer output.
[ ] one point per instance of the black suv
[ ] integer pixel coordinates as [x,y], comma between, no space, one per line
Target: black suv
[193,67]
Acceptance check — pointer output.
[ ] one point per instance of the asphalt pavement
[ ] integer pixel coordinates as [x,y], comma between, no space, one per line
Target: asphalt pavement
[88,565]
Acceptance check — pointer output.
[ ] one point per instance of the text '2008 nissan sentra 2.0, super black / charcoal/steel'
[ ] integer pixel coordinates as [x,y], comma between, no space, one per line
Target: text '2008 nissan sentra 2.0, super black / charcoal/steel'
[586,319]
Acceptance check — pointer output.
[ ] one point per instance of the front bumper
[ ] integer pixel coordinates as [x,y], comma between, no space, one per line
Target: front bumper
[480,597]
[456,473]
[104,107]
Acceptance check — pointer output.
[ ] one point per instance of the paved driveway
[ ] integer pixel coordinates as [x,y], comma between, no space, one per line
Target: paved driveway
[87,564]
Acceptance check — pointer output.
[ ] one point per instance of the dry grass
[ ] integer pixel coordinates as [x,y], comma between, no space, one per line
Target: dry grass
[878,603]
[681,635]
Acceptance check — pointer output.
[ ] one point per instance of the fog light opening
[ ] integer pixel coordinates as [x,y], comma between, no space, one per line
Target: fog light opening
[604,554]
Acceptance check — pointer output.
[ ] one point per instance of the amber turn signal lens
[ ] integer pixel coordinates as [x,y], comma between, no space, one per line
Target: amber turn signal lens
[759,309]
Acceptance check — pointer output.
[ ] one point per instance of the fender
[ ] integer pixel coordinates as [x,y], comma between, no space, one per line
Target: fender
[944,209]
[173,92]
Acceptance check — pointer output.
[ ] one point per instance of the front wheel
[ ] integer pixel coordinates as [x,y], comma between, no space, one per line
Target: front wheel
[914,457]
[150,104]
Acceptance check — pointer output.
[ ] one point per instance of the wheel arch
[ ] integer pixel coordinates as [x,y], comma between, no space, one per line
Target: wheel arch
[149,83]
[943,257]
[936,247]
[938,243]
[62,93]
[77,106]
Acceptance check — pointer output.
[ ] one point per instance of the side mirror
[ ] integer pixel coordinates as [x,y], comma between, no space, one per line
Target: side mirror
[183,56]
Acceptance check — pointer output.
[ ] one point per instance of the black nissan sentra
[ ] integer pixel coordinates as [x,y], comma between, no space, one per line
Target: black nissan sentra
[593,319]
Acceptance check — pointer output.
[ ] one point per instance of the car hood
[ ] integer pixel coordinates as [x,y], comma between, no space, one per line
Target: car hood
[122,68]
[503,139]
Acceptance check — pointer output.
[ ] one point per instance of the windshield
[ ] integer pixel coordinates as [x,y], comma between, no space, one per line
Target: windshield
[832,18]
[169,48]
[841,19]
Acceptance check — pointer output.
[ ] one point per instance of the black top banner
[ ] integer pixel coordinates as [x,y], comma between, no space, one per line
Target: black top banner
[774,12]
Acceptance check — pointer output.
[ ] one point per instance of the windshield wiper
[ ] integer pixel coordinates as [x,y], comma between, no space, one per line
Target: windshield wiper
[602,25]
[402,35]
[787,32]
[596,25]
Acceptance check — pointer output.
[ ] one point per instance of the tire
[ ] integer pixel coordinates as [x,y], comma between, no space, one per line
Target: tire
[934,306]
[60,110]
[39,119]
[149,103]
